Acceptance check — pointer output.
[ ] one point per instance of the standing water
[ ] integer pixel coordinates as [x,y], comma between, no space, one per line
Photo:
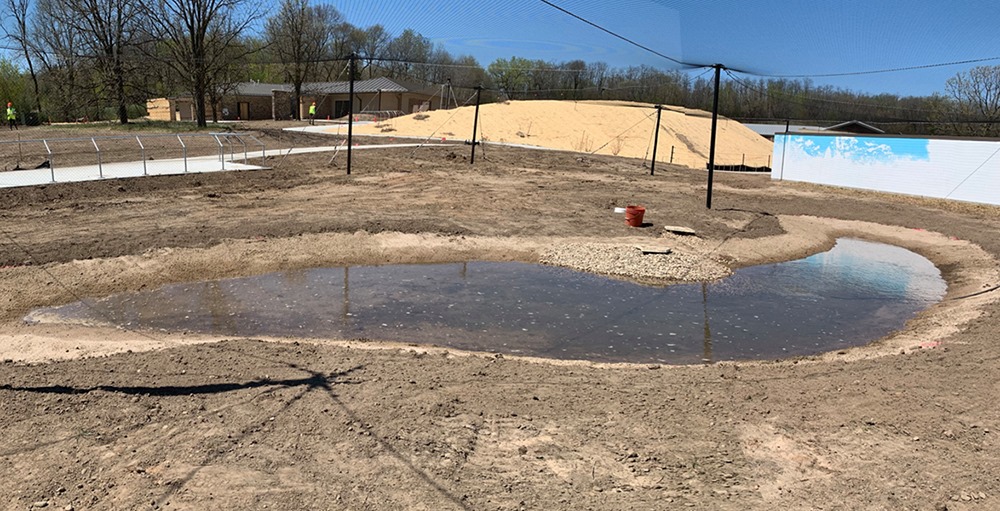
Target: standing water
[853,294]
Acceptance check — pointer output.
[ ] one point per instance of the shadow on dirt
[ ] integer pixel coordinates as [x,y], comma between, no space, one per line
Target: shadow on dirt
[316,380]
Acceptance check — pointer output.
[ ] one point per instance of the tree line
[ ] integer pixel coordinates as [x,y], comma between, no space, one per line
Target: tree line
[102,59]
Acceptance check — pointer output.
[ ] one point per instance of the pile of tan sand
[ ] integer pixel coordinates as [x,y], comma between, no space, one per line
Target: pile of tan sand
[601,127]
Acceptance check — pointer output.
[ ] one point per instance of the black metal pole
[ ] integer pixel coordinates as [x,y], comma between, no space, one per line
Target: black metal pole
[711,147]
[656,139]
[475,125]
[784,145]
[350,111]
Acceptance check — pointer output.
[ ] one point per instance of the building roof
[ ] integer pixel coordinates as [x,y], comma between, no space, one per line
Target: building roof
[854,127]
[360,87]
[769,130]
[258,89]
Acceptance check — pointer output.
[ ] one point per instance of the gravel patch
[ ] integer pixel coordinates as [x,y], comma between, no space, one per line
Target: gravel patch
[628,261]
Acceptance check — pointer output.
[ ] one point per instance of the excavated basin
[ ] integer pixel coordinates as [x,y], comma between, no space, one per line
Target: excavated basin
[851,295]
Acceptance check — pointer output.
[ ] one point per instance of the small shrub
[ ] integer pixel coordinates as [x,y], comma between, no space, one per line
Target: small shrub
[585,144]
[617,145]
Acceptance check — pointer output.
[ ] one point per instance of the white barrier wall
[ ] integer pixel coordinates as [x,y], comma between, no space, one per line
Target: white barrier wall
[965,170]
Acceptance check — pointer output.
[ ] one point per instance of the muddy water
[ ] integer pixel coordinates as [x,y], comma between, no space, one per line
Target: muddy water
[849,296]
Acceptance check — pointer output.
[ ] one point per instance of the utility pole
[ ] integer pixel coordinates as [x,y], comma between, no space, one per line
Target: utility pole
[350,110]
[711,147]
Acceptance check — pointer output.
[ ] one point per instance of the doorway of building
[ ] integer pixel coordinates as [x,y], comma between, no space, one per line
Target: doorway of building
[341,108]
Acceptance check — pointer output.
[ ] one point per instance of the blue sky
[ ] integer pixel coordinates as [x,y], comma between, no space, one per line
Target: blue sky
[790,37]
[769,37]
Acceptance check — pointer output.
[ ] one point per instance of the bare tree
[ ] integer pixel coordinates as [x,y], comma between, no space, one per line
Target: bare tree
[198,37]
[300,35]
[111,32]
[20,36]
[57,48]
[976,97]
[372,44]
[402,52]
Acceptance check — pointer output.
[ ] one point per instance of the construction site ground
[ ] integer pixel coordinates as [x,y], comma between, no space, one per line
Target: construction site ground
[109,418]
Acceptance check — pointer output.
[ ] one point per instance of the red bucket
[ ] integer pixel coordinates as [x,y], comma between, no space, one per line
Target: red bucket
[633,215]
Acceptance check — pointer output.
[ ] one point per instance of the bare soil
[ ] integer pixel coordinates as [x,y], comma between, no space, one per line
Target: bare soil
[107,418]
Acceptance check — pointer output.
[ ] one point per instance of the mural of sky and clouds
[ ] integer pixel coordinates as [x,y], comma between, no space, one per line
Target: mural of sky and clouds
[967,170]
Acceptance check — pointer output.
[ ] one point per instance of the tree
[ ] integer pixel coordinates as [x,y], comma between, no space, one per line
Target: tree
[12,84]
[976,97]
[511,76]
[574,77]
[409,48]
[372,42]
[111,34]
[57,48]
[20,36]
[463,71]
[198,37]
[300,35]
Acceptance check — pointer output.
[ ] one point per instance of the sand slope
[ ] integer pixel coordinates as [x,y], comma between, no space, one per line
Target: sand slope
[605,127]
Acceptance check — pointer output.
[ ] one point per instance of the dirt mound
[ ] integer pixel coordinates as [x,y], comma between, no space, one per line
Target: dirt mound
[603,127]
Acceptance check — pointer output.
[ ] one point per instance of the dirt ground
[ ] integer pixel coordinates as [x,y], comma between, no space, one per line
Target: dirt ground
[102,418]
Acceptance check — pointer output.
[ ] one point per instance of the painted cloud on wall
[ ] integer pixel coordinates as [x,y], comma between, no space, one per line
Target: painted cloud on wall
[861,149]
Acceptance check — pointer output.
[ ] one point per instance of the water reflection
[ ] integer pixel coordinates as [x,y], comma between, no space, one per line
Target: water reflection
[857,292]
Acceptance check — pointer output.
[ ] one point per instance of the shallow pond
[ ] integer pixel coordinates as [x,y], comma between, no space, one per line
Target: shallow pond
[853,294]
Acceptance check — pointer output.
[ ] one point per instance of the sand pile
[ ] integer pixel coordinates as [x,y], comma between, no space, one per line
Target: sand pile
[603,127]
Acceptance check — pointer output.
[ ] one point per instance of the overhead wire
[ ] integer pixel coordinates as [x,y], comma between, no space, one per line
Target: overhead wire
[879,71]
[450,117]
[623,38]
[801,98]
[630,128]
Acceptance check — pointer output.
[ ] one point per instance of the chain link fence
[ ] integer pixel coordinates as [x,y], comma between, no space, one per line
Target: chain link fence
[54,160]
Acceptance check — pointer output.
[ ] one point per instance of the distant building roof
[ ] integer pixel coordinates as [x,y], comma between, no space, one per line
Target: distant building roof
[854,127]
[769,130]
[360,86]
[258,89]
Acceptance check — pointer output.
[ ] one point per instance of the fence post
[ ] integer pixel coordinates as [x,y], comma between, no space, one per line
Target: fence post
[52,168]
[246,158]
[142,151]
[656,141]
[184,148]
[350,110]
[222,152]
[100,165]
[671,154]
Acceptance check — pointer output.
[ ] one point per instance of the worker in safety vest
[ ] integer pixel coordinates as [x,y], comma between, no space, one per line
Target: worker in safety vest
[11,116]
[312,113]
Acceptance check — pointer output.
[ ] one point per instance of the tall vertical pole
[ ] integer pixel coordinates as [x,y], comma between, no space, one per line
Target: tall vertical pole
[350,110]
[475,124]
[656,139]
[711,148]
[784,145]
